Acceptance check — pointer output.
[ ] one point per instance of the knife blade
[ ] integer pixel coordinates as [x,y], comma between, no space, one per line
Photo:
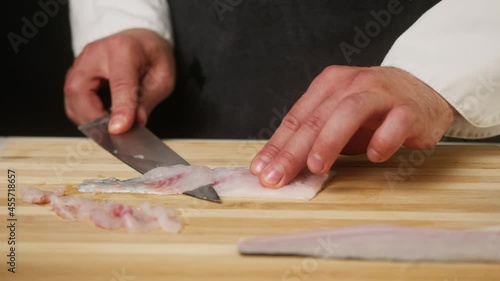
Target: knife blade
[142,150]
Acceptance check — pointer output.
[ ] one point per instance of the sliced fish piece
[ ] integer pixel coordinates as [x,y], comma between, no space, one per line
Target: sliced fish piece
[107,214]
[227,181]
[37,196]
[382,242]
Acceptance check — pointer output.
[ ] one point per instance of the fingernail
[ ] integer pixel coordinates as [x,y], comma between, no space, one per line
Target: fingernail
[273,175]
[116,124]
[260,163]
[374,155]
[315,162]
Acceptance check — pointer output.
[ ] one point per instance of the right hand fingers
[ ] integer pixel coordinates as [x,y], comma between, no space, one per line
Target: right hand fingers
[315,95]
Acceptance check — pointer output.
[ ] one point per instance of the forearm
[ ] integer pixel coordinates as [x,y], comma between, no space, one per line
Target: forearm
[92,20]
[455,49]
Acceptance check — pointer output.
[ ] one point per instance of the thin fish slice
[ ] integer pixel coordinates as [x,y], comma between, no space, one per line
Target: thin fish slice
[382,242]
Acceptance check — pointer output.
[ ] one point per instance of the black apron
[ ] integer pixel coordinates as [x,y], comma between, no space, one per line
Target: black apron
[242,64]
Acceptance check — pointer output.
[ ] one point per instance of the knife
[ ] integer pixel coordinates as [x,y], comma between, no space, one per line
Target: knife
[142,150]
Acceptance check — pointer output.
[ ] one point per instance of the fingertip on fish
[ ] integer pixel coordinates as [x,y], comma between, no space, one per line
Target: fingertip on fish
[259,164]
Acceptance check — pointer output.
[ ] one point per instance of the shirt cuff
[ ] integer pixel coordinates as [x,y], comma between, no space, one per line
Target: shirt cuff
[95,19]
[453,48]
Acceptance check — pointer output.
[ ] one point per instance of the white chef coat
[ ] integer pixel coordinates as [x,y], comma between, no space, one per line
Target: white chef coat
[454,48]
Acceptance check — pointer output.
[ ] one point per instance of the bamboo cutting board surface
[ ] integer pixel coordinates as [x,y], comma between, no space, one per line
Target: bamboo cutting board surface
[451,187]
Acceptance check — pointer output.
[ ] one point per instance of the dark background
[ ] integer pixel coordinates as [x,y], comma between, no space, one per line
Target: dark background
[33,79]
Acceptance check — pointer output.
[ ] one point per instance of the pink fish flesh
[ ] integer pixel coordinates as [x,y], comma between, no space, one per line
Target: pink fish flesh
[37,196]
[106,214]
[228,182]
[382,242]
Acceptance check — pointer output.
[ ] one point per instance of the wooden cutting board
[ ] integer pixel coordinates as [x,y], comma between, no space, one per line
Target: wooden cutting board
[450,187]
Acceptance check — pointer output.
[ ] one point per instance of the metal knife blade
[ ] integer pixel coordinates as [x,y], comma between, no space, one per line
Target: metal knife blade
[142,150]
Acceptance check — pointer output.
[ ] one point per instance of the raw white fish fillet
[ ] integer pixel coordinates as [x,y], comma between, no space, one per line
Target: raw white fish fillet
[228,182]
[107,214]
[382,242]
[240,182]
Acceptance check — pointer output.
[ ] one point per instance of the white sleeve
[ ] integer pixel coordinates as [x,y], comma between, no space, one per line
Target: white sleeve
[95,19]
[455,49]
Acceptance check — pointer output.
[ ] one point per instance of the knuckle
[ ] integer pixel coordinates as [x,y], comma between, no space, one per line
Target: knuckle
[354,102]
[369,79]
[70,112]
[124,103]
[163,83]
[364,76]
[73,84]
[123,46]
[158,94]
[332,69]
[119,84]
[314,124]
[326,146]
[405,114]
[168,84]
[270,149]
[90,49]
[291,122]
[122,108]
[329,73]
[127,103]
[288,159]
[168,88]
[156,47]
[382,145]
[119,42]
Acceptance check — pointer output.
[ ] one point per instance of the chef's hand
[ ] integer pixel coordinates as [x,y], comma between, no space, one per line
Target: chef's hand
[353,110]
[140,67]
